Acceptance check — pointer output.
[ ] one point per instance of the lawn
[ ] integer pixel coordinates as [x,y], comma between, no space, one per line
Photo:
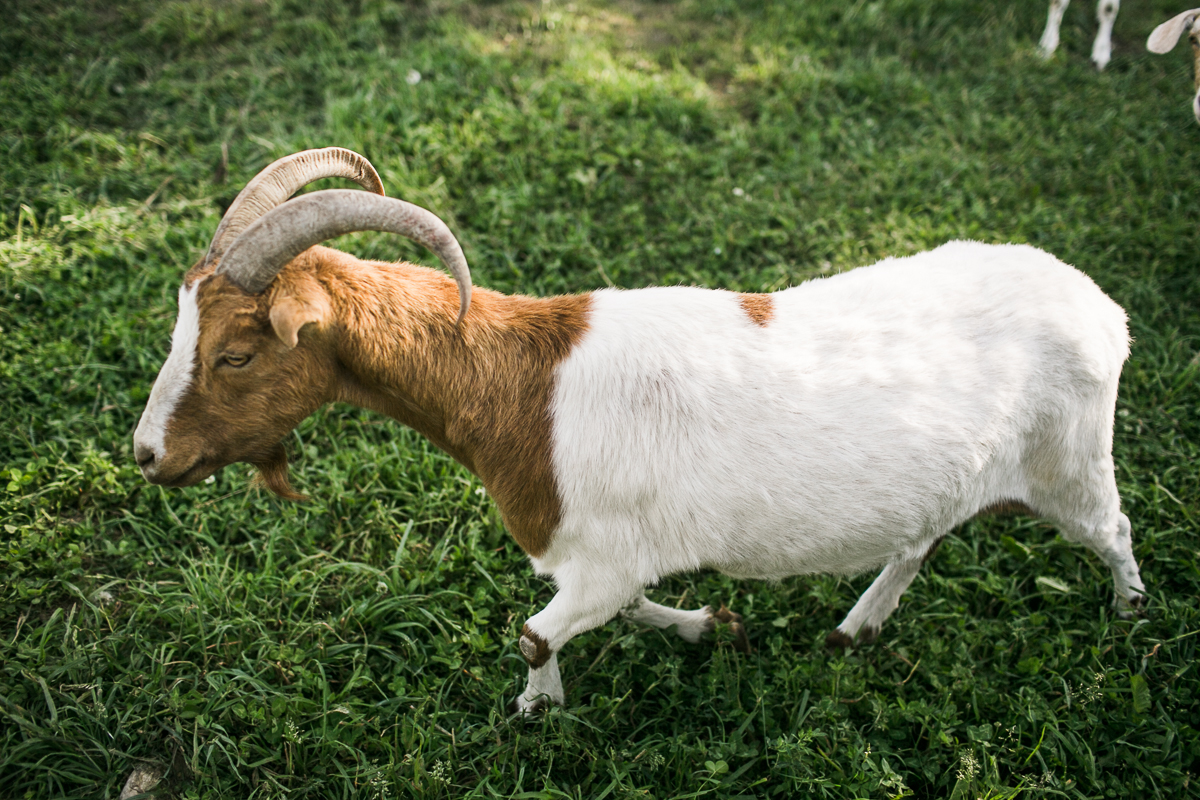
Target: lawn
[362,644]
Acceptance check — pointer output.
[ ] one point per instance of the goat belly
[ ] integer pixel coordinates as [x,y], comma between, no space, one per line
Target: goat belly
[870,410]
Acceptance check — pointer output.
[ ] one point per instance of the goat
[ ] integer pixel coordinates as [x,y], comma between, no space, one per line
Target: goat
[836,426]
[1106,15]
[1163,38]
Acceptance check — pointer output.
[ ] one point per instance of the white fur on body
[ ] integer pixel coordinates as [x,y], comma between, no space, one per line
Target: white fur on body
[1106,15]
[874,412]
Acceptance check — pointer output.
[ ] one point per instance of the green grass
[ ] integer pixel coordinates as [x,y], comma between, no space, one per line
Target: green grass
[362,644]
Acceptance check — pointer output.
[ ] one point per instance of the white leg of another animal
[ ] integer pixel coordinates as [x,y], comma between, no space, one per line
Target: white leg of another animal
[1049,41]
[544,687]
[690,625]
[878,602]
[1106,13]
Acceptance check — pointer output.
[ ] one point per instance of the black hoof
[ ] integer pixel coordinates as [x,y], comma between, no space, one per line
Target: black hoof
[539,706]
[741,642]
[836,640]
[1132,608]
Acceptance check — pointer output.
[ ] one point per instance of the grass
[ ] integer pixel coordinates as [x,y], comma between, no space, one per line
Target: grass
[362,645]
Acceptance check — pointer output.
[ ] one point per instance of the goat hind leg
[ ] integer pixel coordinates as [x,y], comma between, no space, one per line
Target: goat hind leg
[1086,507]
[877,603]
[1114,544]
[690,625]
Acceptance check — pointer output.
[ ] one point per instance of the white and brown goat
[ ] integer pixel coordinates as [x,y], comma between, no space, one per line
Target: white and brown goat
[844,424]
[1163,38]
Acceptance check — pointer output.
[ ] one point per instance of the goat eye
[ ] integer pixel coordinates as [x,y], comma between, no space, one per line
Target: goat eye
[237,360]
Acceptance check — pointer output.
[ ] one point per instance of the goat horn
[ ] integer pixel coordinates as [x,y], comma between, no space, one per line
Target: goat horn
[275,238]
[283,178]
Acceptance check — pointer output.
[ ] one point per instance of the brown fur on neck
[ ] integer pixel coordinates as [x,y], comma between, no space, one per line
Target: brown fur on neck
[480,391]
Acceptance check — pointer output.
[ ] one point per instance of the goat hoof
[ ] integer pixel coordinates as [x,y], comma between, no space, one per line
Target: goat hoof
[741,642]
[840,640]
[528,709]
[1131,607]
[837,640]
[866,635]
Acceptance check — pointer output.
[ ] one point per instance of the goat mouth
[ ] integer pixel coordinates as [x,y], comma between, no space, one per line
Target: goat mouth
[197,472]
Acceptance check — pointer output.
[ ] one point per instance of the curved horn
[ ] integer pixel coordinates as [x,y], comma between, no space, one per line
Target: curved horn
[1164,37]
[280,180]
[275,238]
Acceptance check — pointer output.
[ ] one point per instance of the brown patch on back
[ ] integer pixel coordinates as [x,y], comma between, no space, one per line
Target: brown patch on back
[760,308]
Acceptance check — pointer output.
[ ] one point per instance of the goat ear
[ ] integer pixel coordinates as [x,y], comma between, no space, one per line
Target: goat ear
[291,310]
[1164,37]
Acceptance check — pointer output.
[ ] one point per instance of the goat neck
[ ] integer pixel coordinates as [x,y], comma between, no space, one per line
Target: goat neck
[480,390]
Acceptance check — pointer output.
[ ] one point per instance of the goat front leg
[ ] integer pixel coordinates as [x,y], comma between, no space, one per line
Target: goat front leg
[586,598]
[690,625]
[1049,41]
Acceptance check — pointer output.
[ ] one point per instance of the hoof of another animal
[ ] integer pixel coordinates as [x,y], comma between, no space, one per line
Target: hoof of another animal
[866,635]
[837,640]
[741,642]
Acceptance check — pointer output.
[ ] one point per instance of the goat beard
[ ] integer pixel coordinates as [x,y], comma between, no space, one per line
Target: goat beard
[273,474]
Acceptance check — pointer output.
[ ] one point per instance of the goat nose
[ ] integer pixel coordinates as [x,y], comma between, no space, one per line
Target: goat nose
[143,455]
